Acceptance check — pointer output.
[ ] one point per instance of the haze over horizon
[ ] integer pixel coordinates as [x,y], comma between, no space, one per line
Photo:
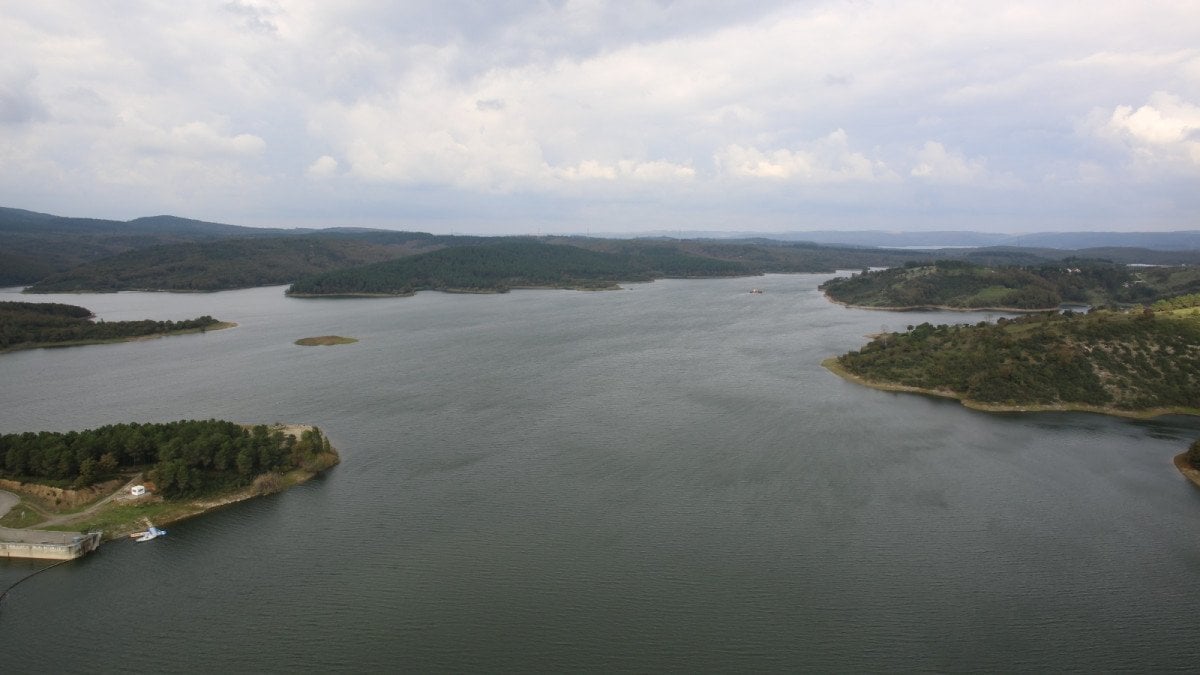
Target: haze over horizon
[574,117]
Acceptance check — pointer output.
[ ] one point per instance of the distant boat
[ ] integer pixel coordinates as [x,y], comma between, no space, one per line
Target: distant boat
[148,534]
[755,291]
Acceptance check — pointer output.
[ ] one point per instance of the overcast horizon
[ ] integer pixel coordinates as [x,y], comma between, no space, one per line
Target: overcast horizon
[591,117]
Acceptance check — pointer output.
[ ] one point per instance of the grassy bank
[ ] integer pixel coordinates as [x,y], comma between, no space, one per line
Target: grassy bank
[119,519]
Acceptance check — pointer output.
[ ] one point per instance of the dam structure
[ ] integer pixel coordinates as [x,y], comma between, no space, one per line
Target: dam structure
[45,544]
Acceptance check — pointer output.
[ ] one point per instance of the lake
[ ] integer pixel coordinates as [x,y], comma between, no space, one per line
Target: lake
[661,478]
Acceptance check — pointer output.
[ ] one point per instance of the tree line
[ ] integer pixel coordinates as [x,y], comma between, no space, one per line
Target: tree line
[184,458]
[510,263]
[961,284]
[1177,302]
[34,324]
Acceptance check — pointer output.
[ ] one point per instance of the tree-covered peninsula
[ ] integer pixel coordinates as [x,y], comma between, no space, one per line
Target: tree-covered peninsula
[187,458]
[1137,363]
[508,263]
[29,325]
[190,466]
[954,284]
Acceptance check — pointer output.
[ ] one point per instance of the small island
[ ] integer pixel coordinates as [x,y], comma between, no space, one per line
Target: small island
[83,481]
[33,325]
[322,340]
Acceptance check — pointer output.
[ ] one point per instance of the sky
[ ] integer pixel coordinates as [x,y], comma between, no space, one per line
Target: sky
[579,116]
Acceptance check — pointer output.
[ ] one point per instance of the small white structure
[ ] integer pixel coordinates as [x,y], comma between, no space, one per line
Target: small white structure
[137,490]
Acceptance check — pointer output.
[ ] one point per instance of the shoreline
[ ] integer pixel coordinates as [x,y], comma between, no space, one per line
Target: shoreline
[220,325]
[831,364]
[943,308]
[1189,472]
[456,291]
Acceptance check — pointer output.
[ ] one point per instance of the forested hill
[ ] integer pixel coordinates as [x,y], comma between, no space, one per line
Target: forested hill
[218,265]
[962,285]
[29,325]
[172,253]
[35,245]
[507,264]
[1129,362]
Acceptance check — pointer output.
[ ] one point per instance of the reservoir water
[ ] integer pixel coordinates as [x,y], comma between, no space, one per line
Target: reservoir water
[657,478]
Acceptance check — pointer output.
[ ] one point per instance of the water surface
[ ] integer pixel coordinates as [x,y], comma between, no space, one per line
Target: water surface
[658,478]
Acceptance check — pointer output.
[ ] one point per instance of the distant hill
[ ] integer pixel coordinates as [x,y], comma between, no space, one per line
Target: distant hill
[41,247]
[35,245]
[217,265]
[20,220]
[1157,241]
[165,252]
[961,285]
[1063,241]
[512,263]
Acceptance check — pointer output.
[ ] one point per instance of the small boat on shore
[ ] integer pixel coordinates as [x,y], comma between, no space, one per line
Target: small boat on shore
[147,535]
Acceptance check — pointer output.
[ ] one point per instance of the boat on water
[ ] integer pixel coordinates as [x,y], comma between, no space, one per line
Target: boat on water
[147,535]
[755,291]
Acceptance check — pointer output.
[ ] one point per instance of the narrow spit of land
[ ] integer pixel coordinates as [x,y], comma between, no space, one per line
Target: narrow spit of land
[1185,467]
[35,325]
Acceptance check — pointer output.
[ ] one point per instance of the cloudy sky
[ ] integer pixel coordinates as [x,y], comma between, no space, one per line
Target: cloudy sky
[586,116]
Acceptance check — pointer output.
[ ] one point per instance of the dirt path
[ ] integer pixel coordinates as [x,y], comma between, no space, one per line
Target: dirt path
[7,501]
[80,515]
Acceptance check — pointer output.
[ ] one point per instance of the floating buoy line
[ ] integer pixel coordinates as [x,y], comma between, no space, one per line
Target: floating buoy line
[28,576]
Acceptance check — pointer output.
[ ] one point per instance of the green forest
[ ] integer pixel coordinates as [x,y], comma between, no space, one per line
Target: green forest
[509,264]
[963,285]
[184,459]
[28,325]
[1129,361]
[218,265]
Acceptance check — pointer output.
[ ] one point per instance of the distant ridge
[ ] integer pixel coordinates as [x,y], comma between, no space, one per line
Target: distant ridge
[1185,240]
[20,220]
[166,252]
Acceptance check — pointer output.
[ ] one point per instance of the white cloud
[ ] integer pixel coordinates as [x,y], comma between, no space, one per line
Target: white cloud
[827,160]
[650,172]
[323,167]
[1164,132]
[935,164]
[577,102]
[193,139]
